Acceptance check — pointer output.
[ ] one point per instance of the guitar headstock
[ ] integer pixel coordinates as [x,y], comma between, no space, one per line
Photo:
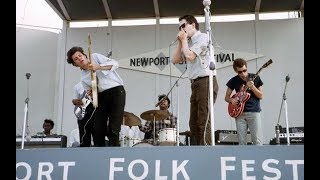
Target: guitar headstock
[264,66]
[89,39]
[89,48]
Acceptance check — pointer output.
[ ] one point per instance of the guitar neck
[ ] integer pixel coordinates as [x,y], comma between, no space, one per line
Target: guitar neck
[256,75]
[89,50]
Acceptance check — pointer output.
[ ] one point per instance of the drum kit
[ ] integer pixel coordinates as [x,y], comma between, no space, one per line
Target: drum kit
[167,136]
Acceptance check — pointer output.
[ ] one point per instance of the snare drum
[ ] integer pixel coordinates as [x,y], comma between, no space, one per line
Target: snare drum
[167,137]
[129,142]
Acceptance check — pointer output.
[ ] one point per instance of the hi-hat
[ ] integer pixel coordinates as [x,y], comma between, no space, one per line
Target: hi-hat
[130,119]
[155,115]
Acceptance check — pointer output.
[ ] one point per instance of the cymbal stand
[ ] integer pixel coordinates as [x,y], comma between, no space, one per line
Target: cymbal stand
[154,129]
[178,123]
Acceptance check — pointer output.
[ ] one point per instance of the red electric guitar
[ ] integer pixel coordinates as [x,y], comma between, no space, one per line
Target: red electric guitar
[242,96]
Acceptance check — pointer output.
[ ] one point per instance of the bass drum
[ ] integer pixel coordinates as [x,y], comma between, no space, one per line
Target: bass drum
[167,137]
[142,144]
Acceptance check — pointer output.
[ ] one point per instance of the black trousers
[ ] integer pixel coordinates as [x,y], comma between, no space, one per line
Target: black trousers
[109,115]
[86,127]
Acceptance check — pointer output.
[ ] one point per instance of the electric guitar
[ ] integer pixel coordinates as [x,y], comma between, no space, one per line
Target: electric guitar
[93,78]
[80,111]
[242,96]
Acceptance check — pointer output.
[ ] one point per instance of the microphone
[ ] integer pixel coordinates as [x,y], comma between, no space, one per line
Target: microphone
[212,66]
[287,78]
[206,2]
[28,75]
[176,39]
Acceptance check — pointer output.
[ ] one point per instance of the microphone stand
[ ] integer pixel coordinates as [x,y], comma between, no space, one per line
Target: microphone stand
[207,3]
[284,98]
[159,102]
[25,120]
[178,123]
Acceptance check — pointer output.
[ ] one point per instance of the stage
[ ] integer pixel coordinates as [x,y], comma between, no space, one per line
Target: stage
[162,162]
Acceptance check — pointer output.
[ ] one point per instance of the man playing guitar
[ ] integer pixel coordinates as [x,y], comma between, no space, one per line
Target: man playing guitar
[84,111]
[110,92]
[248,88]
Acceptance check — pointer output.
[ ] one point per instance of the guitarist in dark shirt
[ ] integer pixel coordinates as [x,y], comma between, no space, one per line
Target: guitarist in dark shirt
[83,110]
[246,85]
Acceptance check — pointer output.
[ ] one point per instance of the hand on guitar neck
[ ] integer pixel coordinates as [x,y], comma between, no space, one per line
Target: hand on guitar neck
[93,67]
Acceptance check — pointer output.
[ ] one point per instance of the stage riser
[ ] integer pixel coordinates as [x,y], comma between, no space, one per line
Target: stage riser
[153,162]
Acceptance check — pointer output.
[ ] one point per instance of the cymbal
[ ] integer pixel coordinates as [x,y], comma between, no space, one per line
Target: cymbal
[130,119]
[188,133]
[155,115]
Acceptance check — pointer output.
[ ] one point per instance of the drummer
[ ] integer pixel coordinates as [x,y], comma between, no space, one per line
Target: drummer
[169,122]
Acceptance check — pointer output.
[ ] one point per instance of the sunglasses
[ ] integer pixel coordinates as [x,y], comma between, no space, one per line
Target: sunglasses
[239,72]
[182,26]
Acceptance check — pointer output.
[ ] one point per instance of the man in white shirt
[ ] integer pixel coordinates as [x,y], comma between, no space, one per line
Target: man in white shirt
[84,111]
[111,93]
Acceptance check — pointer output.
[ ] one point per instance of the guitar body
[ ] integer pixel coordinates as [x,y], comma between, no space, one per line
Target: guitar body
[80,111]
[235,110]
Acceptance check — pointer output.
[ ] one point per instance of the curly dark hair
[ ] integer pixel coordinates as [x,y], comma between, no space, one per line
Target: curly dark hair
[238,63]
[71,52]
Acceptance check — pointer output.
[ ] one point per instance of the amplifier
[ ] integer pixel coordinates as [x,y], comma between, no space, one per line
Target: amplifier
[229,137]
[59,141]
[292,129]
[295,138]
[284,135]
